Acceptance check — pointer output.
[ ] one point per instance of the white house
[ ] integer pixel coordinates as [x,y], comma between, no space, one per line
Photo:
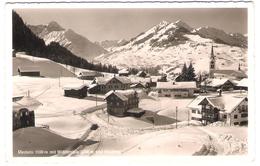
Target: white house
[228,107]
[176,89]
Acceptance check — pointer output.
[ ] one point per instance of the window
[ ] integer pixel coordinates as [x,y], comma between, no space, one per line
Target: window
[224,116]
[244,115]
[193,111]
[236,123]
[235,116]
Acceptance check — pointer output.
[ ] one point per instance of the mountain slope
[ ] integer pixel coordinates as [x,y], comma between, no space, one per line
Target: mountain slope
[69,39]
[173,44]
[24,40]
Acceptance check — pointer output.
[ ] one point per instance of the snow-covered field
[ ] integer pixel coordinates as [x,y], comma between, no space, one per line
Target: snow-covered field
[125,136]
[57,111]
[69,117]
[167,106]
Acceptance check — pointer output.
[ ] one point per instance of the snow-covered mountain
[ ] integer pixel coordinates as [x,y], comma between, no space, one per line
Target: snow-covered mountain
[170,45]
[74,42]
[108,44]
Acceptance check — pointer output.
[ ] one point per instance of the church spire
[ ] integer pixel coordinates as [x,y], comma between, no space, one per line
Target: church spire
[212,65]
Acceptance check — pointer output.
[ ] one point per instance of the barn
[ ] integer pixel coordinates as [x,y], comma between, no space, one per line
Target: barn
[33,71]
[75,90]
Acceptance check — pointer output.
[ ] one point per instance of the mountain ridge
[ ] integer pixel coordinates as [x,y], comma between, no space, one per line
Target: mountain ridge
[173,44]
[76,43]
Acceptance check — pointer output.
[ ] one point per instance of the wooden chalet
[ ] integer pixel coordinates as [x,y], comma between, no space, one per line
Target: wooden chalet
[75,90]
[103,85]
[214,84]
[123,103]
[229,108]
[90,75]
[32,71]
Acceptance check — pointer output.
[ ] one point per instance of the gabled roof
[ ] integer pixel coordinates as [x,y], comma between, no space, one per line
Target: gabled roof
[243,83]
[90,73]
[123,71]
[122,94]
[105,80]
[176,85]
[26,102]
[29,69]
[74,86]
[122,79]
[225,103]
[215,82]
[234,73]
[136,84]
[140,72]
[195,102]
[101,80]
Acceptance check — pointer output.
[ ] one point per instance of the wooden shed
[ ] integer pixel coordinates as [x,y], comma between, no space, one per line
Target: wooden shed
[75,90]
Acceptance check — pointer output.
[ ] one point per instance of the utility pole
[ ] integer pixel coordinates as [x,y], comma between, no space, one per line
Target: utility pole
[176,116]
[96,99]
[188,117]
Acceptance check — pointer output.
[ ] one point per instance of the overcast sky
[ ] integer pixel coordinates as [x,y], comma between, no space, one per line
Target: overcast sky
[109,24]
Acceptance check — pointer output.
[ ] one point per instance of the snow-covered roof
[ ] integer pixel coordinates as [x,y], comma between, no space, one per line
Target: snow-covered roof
[215,82]
[123,79]
[122,94]
[135,79]
[102,80]
[243,83]
[74,86]
[140,72]
[26,102]
[123,71]
[226,102]
[28,68]
[195,102]
[105,80]
[90,73]
[134,85]
[176,85]
[234,73]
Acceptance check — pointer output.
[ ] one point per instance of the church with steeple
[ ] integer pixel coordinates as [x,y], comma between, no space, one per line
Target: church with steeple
[216,73]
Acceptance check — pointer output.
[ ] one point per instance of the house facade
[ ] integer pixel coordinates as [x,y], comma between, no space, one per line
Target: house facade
[229,108]
[104,85]
[176,89]
[123,103]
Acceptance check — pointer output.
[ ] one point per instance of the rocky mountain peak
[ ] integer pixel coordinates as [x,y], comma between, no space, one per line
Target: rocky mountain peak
[54,26]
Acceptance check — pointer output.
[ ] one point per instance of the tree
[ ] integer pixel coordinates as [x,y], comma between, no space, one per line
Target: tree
[190,75]
[187,74]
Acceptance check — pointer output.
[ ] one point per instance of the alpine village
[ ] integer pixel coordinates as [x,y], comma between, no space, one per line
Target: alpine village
[171,90]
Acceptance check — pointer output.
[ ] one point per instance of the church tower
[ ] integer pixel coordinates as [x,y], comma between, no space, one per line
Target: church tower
[212,63]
